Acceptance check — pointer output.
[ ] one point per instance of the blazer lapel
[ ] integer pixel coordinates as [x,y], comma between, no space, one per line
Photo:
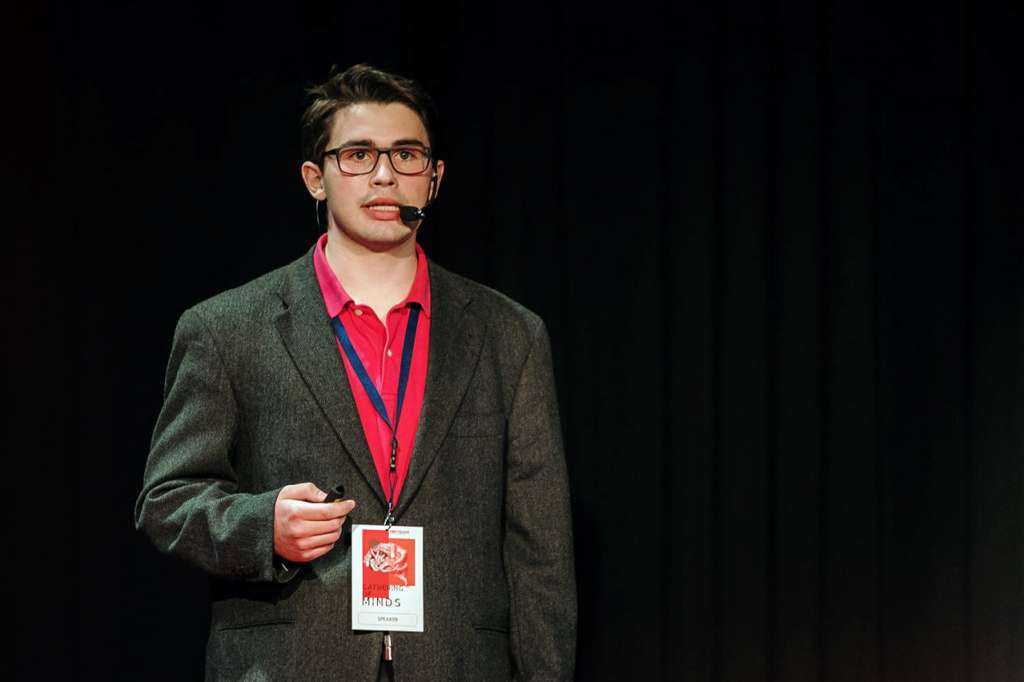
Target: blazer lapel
[309,338]
[456,337]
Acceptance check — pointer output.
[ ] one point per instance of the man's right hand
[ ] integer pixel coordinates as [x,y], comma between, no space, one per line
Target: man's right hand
[304,526]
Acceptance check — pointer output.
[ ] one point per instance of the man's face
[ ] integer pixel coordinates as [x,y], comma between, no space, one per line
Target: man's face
[364,208]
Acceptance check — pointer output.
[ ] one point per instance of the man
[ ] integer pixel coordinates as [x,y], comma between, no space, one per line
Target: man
[428,397]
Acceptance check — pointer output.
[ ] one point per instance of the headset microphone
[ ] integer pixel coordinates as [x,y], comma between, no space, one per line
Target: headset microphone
[410,214]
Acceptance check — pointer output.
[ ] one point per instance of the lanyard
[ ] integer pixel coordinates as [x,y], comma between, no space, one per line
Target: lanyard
[374,395]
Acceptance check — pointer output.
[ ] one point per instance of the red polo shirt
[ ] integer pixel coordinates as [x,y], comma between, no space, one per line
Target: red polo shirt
[379,347]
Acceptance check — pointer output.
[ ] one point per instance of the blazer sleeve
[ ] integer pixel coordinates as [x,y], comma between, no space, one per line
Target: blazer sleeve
[190,505]
[538,549]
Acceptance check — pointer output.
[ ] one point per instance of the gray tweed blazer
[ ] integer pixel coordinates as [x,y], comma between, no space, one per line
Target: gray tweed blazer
[256,397]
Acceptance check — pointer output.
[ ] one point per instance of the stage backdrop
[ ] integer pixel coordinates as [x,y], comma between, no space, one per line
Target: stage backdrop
[778,248]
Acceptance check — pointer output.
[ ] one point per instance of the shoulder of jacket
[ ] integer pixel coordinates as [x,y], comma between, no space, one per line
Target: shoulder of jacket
[494,307]
[251,300]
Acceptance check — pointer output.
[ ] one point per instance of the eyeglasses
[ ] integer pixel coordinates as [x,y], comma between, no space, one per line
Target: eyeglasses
[360,160]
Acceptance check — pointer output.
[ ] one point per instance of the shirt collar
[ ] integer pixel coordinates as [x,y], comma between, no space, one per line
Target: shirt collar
[336,298]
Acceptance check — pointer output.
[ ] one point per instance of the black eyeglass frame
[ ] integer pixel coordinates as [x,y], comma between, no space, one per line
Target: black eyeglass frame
[336,153]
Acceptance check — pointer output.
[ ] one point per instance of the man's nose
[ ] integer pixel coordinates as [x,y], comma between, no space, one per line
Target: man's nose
[383,174]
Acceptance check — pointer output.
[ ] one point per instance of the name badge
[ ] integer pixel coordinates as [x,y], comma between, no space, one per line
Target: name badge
[387,578]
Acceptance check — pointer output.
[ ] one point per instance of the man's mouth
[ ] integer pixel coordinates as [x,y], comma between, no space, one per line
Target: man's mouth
[382,209]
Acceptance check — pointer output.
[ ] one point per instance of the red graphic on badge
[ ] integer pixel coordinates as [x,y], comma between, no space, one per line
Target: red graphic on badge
[387,561]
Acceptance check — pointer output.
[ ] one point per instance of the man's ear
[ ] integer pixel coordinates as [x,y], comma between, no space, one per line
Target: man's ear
[313,176]
[439,174]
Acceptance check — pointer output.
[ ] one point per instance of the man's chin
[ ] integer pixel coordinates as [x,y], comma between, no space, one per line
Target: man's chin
[383,236]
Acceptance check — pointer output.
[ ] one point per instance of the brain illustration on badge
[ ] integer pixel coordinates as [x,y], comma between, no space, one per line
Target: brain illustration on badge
[387,557]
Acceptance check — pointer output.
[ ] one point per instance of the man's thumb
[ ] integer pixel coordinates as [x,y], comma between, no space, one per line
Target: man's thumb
[303,491]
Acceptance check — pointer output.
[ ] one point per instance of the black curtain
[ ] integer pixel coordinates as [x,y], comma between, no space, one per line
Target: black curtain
[778,247]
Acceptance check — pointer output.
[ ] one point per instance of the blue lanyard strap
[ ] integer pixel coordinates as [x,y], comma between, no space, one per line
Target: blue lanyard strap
[371,390]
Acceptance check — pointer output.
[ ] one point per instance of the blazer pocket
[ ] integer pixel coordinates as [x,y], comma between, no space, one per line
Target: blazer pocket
[249,625]
[492,629]
[491,658]
[490,425]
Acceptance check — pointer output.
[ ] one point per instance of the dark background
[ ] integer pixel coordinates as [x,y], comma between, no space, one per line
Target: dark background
[777,245]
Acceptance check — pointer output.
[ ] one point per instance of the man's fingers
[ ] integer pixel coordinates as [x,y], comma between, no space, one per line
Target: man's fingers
[305,529]
[316,553]
[317,511]
[317,541]
[302,491]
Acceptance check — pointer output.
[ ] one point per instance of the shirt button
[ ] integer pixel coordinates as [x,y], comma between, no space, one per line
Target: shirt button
[389,352]
[359,312]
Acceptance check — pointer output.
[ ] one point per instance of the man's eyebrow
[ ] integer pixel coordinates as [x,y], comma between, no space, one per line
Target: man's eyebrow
[405,141]
[356,143]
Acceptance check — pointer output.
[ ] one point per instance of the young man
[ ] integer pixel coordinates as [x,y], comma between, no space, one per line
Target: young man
[428,397]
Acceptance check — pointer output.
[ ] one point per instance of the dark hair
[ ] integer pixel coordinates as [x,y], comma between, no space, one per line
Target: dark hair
[356,84]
